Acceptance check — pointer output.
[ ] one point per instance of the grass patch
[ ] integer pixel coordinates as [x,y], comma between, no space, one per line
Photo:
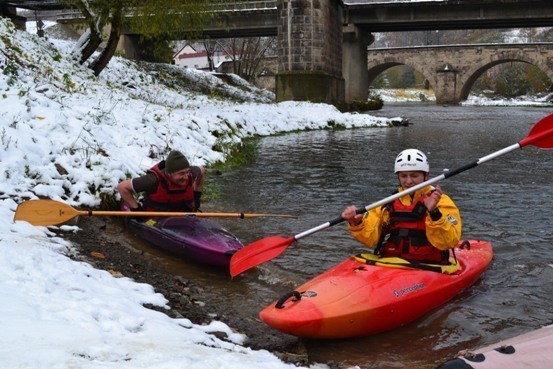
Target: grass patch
[238,155]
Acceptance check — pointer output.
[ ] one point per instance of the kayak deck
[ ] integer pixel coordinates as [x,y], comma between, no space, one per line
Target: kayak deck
[354,299]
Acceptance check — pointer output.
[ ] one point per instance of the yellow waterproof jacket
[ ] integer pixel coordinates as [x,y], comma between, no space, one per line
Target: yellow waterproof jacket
[443,233]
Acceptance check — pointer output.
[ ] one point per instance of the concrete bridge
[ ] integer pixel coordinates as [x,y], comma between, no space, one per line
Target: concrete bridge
[452,70]
[322,44]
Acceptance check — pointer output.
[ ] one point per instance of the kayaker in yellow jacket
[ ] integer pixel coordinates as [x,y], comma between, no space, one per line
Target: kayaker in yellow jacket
[420,226]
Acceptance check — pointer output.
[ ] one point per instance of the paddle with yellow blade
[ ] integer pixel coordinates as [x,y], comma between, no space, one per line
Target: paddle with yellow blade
[265,249]
[50,212]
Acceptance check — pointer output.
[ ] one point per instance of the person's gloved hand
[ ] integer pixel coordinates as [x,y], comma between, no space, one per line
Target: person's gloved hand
[126,207]
[140,207]
[197,202]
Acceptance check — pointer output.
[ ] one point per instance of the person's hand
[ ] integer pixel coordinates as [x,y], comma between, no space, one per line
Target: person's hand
[351,216]
[139,207]
[126,207]
[431,201]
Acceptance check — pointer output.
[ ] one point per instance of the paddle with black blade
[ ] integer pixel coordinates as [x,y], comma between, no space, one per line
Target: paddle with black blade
[260,251]
[50,212]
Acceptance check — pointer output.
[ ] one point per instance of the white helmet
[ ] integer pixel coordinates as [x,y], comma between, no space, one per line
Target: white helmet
[411,160]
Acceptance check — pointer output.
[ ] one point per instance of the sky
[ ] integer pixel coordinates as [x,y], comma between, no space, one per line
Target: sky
[69,136]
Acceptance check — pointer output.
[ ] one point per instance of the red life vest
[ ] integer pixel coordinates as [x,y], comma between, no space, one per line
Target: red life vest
[405,236]
[169,196]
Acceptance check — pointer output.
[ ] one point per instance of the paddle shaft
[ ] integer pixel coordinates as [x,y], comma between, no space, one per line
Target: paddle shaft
[396,196]
[173,214]
[50,212]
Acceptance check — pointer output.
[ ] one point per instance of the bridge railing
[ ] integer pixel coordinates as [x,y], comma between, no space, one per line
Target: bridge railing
[38,4]
[505,45]
[220,6]
[245,5]
[65,10]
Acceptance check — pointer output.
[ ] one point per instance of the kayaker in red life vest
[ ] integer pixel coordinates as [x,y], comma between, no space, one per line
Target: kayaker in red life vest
[420,226]
[170,185]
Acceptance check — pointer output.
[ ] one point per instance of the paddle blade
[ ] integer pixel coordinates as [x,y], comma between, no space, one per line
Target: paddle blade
[44,212]
[257,253]
[541,134]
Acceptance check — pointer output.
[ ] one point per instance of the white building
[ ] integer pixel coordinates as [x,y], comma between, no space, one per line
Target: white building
[188,57]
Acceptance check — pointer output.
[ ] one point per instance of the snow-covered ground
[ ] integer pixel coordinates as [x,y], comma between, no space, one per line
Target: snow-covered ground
[422,95]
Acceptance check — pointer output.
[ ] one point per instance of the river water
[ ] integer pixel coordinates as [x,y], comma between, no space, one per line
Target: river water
[314,175]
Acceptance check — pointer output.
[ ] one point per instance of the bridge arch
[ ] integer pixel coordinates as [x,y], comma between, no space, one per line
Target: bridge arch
[376,69]
[476,71]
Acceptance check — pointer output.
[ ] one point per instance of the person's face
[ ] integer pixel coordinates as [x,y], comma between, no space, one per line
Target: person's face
[179,178]
[410,179]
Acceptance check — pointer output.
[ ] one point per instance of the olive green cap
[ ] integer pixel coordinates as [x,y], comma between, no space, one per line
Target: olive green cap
[176,161]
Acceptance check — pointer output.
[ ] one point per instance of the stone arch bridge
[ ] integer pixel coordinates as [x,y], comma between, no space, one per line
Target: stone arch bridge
[452,70]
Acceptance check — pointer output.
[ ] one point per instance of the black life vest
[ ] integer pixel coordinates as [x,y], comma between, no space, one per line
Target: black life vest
[169,196]
[405,235]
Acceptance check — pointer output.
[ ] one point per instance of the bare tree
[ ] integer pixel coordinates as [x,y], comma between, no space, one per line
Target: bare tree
[149,18]
[91,39]
[247,54]
[116,22]
[211,47]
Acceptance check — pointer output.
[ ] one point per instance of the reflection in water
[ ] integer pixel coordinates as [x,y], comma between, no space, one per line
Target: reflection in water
[314,175]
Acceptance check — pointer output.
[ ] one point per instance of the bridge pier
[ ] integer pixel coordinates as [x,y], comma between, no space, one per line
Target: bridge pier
[447,88]
[310,51]
[354,59]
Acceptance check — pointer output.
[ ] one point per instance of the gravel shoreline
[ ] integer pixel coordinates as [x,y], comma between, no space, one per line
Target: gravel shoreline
[186,298]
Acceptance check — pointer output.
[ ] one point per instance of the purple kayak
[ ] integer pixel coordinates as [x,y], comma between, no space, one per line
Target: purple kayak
[198,239]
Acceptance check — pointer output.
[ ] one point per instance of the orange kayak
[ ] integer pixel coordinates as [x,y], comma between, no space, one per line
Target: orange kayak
[357,298]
